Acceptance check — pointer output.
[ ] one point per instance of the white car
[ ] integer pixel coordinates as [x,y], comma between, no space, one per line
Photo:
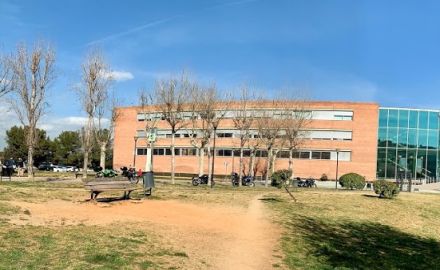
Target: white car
[71,169]
[59,168]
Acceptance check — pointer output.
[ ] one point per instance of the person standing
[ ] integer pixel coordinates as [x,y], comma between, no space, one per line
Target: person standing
[20,167]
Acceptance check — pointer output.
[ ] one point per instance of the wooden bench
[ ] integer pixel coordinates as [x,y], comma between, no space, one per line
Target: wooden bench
[100,186]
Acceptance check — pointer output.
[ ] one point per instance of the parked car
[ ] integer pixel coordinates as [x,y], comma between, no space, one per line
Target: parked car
[71,169]
[10,163]
[45,166]
[59,168]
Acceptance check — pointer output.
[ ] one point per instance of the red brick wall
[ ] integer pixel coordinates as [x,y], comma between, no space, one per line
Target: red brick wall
[363,146]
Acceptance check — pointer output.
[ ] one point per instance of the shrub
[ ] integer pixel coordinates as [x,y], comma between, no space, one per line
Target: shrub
[324,177]
[385,189]
[352,181]
[280,177]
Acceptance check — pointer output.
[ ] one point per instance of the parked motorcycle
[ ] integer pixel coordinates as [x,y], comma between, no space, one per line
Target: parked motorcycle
[201,180]
[107,173]
[310,182]
[245,180]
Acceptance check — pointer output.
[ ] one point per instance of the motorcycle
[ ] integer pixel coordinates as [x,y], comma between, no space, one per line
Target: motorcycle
[310,182]
[107,173]
[131,174]
[201,180]
[245,180]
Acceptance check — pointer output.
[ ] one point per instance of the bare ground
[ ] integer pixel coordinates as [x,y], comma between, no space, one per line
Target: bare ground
[214,236]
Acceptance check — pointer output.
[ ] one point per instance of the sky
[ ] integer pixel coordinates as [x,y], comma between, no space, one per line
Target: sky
[377,51]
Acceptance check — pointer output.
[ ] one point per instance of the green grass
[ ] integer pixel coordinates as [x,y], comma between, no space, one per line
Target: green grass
[353,230]
[325,229]
[81,247]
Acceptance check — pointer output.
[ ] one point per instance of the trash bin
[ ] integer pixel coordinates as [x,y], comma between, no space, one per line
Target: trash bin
[148,179]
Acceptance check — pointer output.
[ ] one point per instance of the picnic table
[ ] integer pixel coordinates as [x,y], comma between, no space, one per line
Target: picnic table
[97,187]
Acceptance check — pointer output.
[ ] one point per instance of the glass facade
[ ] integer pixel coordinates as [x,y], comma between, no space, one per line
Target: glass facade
[408,144]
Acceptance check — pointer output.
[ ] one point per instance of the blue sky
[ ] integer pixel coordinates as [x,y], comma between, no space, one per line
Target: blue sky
[382,51]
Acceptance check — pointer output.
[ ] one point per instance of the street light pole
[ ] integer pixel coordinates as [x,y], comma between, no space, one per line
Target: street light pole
[213,157]
[337,167]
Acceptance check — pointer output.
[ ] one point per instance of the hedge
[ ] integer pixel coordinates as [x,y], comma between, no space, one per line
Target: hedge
[352,181]
[386,189]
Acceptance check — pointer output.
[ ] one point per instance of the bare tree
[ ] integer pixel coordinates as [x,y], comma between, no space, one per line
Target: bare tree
[93,92]
[269,126]
[254,144]
[243,121]
[295,122]
[107,116]
[32,72]
[7,76]
[213,110]
[199,129]
[171,97]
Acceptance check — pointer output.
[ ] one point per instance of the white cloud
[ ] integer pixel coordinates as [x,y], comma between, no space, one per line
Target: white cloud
[119,75]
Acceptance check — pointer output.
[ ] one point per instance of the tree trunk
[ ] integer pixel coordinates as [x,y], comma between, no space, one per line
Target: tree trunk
[87,144]
[272,165]
[209,165]
[252,165]
[268,165]
[31,162]
[103,147]
[86,163]
[173,157]
[240,173]
[291,162]
[201,160]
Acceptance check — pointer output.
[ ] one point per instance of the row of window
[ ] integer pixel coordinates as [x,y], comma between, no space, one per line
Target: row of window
[308,134]
[405,118]
[315,114]
[421,164]
[302,154]
[408,137]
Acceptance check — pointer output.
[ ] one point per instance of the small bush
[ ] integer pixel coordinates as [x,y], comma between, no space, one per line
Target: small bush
[385,189]
[352,181]
[324,177]
[280,177]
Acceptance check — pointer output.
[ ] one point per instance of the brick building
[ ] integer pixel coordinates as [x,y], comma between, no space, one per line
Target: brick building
[348,128]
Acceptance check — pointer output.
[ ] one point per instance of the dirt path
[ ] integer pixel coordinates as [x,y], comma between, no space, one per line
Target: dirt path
[222,237]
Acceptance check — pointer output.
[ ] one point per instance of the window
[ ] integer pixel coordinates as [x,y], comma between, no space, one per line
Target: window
[167,151]
[325,155]
[304,155]
[283,154]
[158,152]
[316,155]
[141,151]
[224,135]
[189,151]
[332,115]
[224,153]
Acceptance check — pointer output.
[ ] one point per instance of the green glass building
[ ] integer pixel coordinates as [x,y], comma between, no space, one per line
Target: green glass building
[408,144]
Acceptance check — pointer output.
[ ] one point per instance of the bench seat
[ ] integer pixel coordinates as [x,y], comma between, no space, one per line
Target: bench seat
[101,186]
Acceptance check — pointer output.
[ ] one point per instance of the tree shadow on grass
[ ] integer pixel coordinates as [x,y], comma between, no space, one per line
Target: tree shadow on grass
[368,245]
[270,199]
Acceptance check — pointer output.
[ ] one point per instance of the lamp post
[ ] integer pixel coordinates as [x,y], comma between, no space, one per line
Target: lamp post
[213,157]
[134,152]
[337,167]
